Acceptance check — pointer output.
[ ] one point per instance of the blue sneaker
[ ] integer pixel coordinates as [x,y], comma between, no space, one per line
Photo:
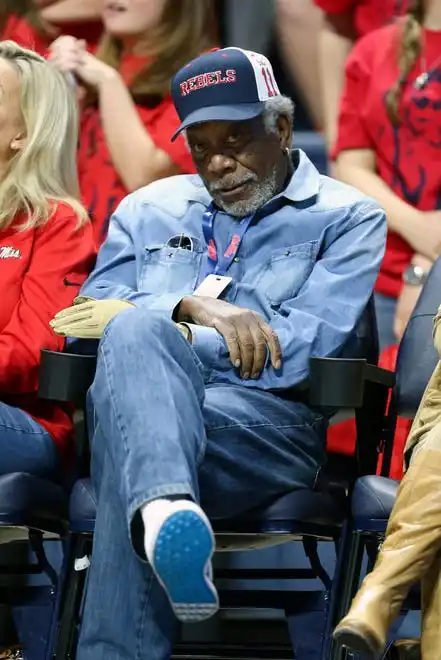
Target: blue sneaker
[179,544]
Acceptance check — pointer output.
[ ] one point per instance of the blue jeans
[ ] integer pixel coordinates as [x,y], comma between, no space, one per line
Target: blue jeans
[159,431]
[25,446]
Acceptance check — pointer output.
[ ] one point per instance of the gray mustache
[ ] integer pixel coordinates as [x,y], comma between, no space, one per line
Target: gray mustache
[229,183]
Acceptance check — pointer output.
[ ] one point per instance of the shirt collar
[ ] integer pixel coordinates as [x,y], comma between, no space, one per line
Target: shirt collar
[305,181]
[303,185]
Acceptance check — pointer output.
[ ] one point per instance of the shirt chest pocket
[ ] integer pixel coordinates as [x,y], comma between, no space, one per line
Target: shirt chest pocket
[169,269]
[287,271]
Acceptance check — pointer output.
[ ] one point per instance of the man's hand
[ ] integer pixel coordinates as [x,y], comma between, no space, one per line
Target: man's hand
[87,318]
[246,333]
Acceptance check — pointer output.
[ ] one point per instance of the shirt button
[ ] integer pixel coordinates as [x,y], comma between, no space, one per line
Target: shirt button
[236,260]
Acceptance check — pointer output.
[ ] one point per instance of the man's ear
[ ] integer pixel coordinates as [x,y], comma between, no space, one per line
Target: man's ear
[284,129]
[18,142]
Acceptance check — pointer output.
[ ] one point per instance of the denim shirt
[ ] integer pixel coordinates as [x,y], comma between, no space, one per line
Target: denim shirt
[307,264]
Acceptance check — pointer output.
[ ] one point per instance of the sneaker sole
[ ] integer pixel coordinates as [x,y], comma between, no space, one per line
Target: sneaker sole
[183,549]
[357,643]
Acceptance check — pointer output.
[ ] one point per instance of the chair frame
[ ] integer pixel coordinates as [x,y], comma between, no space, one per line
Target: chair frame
[336,384]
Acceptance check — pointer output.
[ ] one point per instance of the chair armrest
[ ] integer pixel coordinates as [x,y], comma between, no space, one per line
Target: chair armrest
[65,377]
[340,382]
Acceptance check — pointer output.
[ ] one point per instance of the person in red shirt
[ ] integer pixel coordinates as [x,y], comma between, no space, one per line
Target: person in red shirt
[344,22]
[46,252]
[34,24]
[388,146]
[128,115]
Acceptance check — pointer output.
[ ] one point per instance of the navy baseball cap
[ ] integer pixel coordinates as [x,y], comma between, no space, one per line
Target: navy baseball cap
[229,84]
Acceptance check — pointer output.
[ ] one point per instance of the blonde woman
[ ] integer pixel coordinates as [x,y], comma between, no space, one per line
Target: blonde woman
[46,251]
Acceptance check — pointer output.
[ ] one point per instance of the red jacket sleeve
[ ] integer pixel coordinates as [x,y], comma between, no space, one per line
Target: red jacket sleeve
[335,6]
[62,257]
[352,129]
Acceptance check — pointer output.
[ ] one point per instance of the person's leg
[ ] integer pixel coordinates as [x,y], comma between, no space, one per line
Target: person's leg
[127,615]
[25,446]
[149,420]
[259,446]
[148,433]
[431,612]
[412,542]
[385,307]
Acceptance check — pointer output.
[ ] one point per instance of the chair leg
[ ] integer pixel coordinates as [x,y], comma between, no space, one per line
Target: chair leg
[71,598]
[345,584]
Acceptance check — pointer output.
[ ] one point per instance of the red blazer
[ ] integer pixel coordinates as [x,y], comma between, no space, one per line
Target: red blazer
[41,272]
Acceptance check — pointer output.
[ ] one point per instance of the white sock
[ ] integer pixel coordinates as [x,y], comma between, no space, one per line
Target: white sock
[151,513]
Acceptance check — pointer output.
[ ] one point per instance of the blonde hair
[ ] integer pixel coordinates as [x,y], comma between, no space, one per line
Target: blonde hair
[185,30]
[44,172]
[409,51]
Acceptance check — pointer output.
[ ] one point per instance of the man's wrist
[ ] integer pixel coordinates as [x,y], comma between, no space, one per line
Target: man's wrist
[182,310]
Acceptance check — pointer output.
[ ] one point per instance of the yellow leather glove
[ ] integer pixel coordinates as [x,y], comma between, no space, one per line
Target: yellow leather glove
[88,317]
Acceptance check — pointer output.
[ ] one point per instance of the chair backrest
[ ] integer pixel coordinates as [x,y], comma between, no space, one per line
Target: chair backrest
[364,341]
[341,469]
[314,146]
[417,356]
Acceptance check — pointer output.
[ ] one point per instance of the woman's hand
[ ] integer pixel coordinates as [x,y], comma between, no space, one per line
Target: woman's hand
[405,306]
[93,72]
[69,55]
[65,53]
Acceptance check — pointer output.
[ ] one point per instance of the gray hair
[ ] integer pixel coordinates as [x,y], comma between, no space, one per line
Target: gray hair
[274,107]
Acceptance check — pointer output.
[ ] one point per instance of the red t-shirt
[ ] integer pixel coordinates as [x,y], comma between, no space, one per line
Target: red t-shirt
[18,29]
[41,272]
[101,187]
[407,157]
[369,15]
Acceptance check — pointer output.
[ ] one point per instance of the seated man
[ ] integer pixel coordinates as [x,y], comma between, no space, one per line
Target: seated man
[210,294]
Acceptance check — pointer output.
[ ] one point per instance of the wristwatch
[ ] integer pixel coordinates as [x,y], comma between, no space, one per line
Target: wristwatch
[414,275]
